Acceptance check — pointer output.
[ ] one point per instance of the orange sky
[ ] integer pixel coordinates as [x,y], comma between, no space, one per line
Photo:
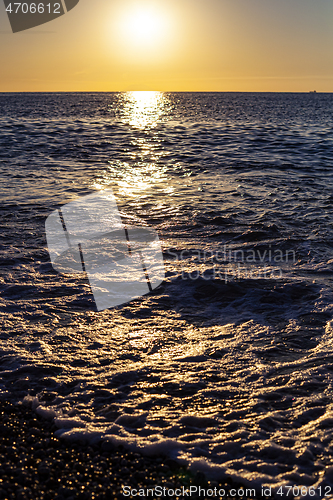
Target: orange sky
[174,45]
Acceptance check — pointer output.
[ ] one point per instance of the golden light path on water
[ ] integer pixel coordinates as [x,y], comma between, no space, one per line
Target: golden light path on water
[143,171]
[144,108]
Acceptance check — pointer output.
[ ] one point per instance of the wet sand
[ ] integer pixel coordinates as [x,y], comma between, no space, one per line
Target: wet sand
[36,465]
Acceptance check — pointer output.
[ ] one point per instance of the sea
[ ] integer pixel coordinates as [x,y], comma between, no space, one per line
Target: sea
[227,365]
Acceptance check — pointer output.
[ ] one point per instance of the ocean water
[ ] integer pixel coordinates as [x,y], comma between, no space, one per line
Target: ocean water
[227,366]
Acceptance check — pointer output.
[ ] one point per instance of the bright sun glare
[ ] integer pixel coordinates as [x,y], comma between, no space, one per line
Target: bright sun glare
[143,29]
[144,26]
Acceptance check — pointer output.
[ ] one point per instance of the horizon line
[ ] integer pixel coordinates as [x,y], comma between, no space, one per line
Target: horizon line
[166,91]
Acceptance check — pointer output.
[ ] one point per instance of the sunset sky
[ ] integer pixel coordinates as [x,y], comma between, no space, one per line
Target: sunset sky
[174,45]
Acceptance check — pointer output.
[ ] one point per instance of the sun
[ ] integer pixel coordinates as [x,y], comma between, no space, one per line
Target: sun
[143,29]
[144,26]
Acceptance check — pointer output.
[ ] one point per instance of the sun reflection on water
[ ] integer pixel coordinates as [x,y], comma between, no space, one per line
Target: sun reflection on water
[140,171]
[144,108]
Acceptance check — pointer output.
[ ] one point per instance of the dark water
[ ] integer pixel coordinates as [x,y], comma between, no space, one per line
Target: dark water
[228,364]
